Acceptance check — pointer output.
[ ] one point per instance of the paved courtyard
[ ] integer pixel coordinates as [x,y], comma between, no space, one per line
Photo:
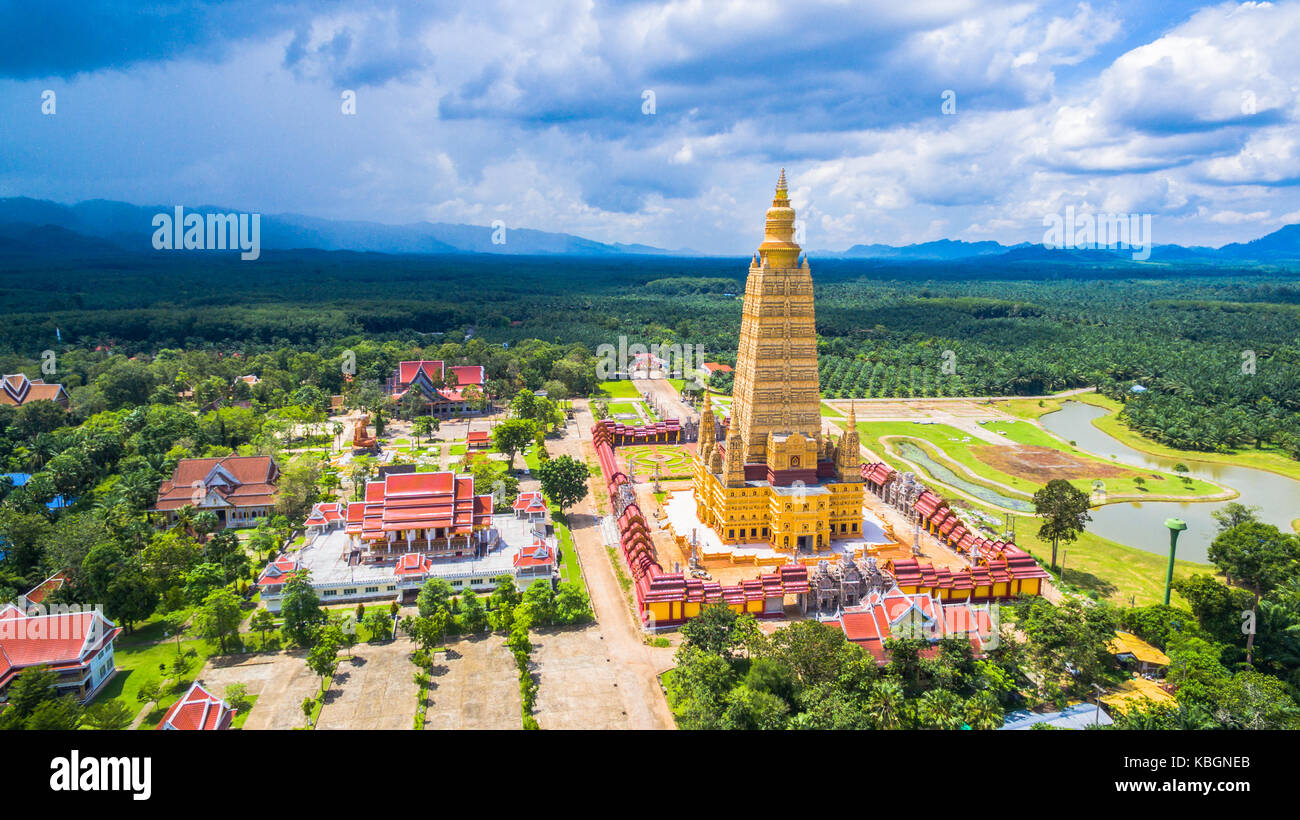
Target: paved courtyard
[280,681]
[375,689]
[475,686]
[580,686]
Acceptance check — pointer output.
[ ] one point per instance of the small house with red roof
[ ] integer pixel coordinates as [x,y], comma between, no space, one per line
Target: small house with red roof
[199,710]
[895,614]
[77,645]
[530,505]
[325,516]
[478,440]
[446,389]
[534,562]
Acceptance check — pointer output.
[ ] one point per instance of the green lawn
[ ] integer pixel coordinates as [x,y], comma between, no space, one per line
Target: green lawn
[829,412]
[618,389]
[238,722]
[137,664]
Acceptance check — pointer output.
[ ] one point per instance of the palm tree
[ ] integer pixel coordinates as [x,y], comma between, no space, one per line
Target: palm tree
[940,709]
[885,704]
[983,711]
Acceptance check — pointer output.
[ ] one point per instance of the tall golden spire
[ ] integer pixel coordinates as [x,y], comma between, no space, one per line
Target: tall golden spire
[779,247]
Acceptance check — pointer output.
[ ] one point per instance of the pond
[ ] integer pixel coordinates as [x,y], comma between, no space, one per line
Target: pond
[1141,524]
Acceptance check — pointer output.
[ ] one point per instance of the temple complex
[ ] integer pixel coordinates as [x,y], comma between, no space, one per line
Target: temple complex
[774,476]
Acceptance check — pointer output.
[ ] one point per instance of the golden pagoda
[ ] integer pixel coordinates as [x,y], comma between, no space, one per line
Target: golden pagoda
[776,477]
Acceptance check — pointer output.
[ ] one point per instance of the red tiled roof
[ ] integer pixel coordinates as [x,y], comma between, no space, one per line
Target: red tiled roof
[199,710]
[16,389]
[65,640]
[406,501]
[241,481]
[537,555]
[326,513]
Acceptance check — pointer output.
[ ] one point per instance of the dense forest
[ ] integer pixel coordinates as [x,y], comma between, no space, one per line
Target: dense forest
[1216,351]
[152,354]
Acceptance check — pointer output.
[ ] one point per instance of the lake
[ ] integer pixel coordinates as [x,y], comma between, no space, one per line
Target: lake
[1141,524]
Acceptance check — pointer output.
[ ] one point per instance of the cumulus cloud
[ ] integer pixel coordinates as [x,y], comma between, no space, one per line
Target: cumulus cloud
[473,110]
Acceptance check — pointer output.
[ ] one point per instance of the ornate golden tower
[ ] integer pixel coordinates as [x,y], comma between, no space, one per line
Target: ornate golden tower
[776,388]
[801,490]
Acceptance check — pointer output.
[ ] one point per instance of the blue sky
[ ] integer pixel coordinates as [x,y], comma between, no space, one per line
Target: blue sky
[532,112]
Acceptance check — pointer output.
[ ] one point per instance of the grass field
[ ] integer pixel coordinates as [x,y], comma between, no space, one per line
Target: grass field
[618,389]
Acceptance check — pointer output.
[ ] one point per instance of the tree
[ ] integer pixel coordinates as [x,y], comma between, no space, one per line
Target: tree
[747,708]
[298,489]
[301,610]
[513,436]
[1232,514]
[424,426]
[718,630]
[237,696]
[109,715]
[1253,700]
[940,709]
[571,604]
[34,687]
[982,711]
[131,597]
[380,626]
[1258,557]
[262,621]
[697,687]
[219,616]
[202,580]
[435,596]
[886,704]
[323,659]
[564,480]
[473,617]
[58,715]
[539,600]
[1064,510]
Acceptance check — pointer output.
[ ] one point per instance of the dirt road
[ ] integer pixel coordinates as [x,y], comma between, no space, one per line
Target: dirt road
[631,668]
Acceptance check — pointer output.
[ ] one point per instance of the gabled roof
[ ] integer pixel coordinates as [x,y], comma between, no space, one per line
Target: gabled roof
[278,571]
[539,554]
[406,501]
[199,710]
[326,513]
[239,481]
[16,389]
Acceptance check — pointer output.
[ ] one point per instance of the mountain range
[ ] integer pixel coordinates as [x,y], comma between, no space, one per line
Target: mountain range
[35,226]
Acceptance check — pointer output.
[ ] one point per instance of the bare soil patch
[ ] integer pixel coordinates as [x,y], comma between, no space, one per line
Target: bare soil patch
[1042,464]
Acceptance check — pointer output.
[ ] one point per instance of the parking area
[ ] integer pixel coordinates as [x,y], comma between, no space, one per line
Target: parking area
[280,681]
[581,686]
[374,689]
[475,686]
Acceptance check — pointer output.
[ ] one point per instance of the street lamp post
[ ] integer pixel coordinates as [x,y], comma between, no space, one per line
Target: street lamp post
[1175,525]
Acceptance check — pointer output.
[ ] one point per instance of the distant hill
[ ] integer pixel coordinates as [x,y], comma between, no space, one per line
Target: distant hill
[936,251]
[130,227]
[105,226]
